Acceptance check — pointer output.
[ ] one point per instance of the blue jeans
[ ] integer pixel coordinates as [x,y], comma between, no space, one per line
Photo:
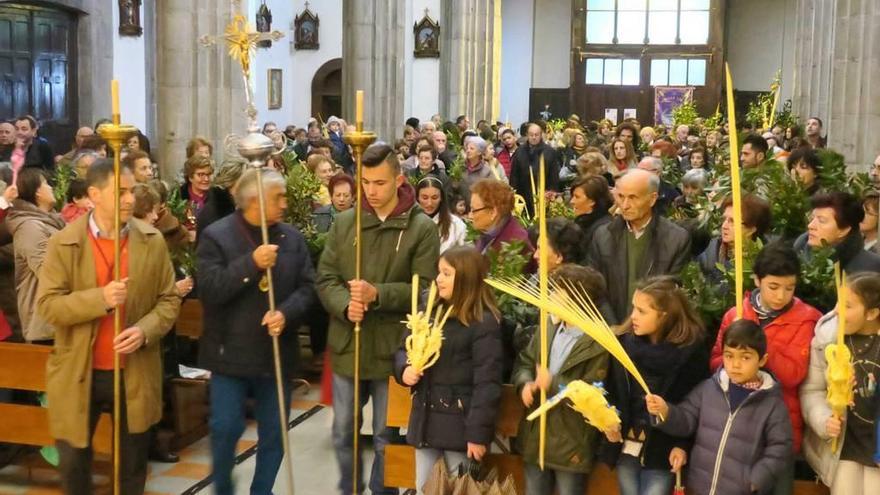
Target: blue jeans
[228,395]
[426,458]
[541,482]
[634,479]
[343,432]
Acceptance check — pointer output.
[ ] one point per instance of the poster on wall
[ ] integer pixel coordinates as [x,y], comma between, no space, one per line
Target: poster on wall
[666,99]
[611,114]
[629,113]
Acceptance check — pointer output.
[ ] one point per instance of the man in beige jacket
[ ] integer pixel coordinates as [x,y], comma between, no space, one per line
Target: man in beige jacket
[78,296]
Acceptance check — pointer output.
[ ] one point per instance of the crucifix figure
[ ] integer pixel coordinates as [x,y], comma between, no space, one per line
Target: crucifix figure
[241,40]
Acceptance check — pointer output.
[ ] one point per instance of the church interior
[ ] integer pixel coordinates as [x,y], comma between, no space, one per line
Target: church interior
[686,90]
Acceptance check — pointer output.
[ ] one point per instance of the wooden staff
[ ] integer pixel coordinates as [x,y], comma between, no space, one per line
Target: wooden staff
[542,286]
[359,140]
[737,196]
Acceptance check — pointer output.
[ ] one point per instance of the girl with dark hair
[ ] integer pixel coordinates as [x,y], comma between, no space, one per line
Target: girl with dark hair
[665,338]
[432,199]
[455,401]
[852,469]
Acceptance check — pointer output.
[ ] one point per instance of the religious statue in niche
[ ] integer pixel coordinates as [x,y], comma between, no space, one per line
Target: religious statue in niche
[264,24]
[130,18]
[305,30]
[546,113]
[427,38]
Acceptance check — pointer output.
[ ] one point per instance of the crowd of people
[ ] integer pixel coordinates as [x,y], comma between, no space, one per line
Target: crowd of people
[737,405]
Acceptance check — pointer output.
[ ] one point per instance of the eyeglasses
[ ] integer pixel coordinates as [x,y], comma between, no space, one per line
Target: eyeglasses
[204,175]
[475,210]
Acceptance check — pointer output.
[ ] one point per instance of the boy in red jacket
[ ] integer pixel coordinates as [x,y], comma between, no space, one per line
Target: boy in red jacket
[788,323]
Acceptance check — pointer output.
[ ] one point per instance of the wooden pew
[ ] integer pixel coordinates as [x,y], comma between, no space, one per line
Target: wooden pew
[189,320]
[400,462]
[23,367]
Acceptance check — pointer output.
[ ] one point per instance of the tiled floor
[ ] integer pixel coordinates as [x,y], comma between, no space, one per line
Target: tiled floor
[315,470]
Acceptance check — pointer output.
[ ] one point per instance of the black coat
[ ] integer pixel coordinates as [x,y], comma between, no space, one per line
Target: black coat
[850,252]
[218,204]
[233,341]
[667,254]
[589,223]
[39,154]
[528,157]
[671,372]
[456,400]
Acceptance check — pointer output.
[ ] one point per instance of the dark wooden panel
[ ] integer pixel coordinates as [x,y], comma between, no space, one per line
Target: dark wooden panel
[189,320]
[557,98]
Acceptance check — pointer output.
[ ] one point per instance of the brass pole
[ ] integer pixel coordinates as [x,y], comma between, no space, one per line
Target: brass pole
[276,352]
[359,140]
[115,134]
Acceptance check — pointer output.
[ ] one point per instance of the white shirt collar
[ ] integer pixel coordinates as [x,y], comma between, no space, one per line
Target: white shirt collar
[96,231]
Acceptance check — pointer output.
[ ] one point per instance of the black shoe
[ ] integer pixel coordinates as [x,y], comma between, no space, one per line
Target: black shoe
[164,457]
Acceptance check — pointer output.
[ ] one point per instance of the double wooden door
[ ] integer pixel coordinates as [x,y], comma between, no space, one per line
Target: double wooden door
[38,69]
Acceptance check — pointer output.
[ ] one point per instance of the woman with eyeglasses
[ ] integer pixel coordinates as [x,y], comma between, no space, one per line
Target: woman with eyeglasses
[492,215]
[432,199]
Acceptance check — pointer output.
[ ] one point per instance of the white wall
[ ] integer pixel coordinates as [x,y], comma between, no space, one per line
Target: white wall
[298,66]
[516,59]
[422,78]
[129,67]
[760,41]
[551,44]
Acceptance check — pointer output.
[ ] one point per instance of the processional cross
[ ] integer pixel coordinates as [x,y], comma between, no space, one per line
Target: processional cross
[241,41]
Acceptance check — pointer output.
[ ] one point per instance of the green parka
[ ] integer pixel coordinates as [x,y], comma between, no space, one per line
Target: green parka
[407,242]
[571,442]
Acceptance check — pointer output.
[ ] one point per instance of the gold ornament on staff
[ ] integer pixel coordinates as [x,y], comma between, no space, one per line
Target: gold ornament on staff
[736,189]
[358,140]
[241,42]
[116,134]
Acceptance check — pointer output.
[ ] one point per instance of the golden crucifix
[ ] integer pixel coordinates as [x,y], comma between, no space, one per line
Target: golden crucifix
[241,40]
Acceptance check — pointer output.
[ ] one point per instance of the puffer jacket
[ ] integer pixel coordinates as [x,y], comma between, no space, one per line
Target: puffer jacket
[456,400]
[31,229]
[572,444]
[406,242]
[734,450]
[788,352]
[817,445]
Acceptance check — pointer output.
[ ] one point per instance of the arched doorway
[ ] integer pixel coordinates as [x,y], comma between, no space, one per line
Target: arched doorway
[38,68]
[327,90]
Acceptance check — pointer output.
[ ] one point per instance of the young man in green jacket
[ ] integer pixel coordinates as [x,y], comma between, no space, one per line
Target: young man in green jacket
[397,241]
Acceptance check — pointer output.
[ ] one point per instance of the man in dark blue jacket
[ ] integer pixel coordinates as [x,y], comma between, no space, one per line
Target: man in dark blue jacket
[232,264]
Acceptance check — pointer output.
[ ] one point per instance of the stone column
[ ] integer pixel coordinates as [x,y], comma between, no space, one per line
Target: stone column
[836,72]
[373,61]
[470,59]
[200,90]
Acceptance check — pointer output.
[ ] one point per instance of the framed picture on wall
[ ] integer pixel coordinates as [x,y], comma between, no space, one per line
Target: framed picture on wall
[305,30]
[427,38]
[274,89]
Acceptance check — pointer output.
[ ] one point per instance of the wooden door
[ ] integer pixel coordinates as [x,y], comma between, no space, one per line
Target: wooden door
[38,69]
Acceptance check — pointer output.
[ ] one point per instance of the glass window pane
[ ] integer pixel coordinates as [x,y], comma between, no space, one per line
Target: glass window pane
[631,72]
[694,4]
[600,4]
[594,71]
[661,28]
[631,27]
[697,72]
[600,27]
[631,4]
[659,72]
[677,72]
[694,28]
[612,71]
[664,4]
